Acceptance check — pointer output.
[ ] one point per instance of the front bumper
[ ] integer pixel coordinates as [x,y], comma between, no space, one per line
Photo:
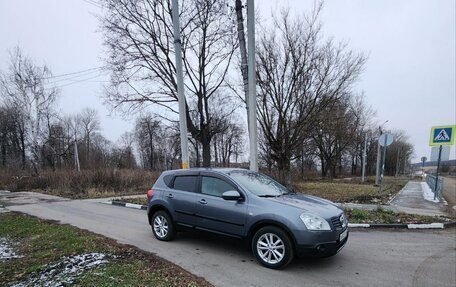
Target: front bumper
[322,249]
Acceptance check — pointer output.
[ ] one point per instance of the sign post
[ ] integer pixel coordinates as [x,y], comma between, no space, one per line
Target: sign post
[440,136]
[384,140]
[423,160]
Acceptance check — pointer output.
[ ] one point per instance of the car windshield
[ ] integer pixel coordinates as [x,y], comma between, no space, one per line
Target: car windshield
[259,184]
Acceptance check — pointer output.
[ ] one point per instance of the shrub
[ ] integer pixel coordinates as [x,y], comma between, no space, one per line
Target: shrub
[83,184]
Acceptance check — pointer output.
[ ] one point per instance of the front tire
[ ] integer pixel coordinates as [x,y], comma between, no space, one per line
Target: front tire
[272,247]
[163,226]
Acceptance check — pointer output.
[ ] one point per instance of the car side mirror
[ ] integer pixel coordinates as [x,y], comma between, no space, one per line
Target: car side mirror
[231,195]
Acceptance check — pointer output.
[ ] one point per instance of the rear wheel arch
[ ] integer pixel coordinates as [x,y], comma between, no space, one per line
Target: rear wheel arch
[156,208]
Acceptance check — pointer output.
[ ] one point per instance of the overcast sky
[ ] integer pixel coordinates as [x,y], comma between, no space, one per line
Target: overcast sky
[409,77]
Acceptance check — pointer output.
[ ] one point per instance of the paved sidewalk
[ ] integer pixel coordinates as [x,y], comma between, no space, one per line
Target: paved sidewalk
[409,200]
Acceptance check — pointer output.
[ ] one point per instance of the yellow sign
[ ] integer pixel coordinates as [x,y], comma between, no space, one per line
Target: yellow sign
[442,135]
[184,165]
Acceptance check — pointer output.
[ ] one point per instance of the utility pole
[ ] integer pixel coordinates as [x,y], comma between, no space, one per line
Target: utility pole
[243,49]
[383,162]
[76,155]
[253,136]
[364,160]
[180,85]
[379,155]
[437,174]
[398,162]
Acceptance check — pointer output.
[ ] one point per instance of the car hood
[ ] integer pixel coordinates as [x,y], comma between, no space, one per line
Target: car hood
[308,203]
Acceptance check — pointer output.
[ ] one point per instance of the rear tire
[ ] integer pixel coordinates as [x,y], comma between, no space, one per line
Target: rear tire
[272,247]
[162,226]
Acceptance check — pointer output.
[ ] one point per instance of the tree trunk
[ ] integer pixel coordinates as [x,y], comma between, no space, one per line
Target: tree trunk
[332,172]
[206,145]
[323,167]
[3,152]
[284,168]
[23,157]
[215,152]
[197,164]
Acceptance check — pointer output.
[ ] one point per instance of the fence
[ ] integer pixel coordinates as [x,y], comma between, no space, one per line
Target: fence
[430,180]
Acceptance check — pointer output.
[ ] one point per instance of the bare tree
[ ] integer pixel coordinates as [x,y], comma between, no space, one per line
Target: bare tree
[89,123]
[139,39]
[398,154]
[333,131]
[147,130]
[123,154]
[298,77]
[229,143]
[12,137]
[24,86]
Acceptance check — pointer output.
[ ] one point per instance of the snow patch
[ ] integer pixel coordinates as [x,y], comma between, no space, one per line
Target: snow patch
[3,210]
[7,251]
[64,272]
[428,194]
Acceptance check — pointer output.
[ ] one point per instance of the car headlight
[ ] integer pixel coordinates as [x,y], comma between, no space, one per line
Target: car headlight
[314,222]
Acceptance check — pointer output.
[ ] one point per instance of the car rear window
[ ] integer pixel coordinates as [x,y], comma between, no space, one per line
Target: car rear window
[167,179]
[186,183]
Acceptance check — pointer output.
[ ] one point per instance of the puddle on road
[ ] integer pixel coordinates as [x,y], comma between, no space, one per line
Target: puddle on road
[65,271]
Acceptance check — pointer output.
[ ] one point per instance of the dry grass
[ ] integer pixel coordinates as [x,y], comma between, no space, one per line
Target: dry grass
[43,242]
[84,184]
[388,217]
[348,191]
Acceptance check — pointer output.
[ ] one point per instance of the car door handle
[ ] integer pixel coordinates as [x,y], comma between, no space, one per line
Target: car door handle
[170,195]
[203,201]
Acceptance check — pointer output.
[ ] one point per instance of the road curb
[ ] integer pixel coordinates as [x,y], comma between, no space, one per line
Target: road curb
[435,225]
[125,204]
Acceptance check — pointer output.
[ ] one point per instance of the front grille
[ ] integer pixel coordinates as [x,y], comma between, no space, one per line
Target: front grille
[336,223]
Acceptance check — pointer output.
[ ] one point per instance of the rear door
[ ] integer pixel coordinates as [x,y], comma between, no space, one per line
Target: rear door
[216,214]
[182,198]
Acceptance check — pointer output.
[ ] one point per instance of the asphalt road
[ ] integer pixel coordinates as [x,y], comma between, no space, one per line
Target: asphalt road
[371,258]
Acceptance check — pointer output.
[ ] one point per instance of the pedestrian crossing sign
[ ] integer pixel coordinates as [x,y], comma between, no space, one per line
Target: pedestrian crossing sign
[442,135]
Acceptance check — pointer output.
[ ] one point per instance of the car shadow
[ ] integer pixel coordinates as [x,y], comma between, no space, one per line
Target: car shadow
[210,242]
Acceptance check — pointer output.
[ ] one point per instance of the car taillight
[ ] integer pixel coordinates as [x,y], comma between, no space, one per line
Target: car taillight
[150,193]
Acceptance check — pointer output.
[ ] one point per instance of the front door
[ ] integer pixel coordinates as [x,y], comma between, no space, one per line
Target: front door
[216,214]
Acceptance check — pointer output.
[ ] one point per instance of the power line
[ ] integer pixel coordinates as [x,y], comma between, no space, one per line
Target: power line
[93,2]
[74,77]
[72,73]
[78,81]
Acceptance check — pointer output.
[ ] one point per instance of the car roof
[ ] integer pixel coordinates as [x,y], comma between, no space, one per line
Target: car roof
[224,170]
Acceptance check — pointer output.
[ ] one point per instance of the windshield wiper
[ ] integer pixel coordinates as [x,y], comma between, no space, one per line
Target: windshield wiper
[267,195]
[289,192]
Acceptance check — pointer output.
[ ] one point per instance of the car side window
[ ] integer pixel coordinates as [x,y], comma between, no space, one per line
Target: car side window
[185,183]
[215,186]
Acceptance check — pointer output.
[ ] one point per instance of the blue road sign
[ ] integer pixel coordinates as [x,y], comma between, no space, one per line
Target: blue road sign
[442,135]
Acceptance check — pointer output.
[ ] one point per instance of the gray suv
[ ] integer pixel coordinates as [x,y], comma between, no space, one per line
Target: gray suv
[278,223]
